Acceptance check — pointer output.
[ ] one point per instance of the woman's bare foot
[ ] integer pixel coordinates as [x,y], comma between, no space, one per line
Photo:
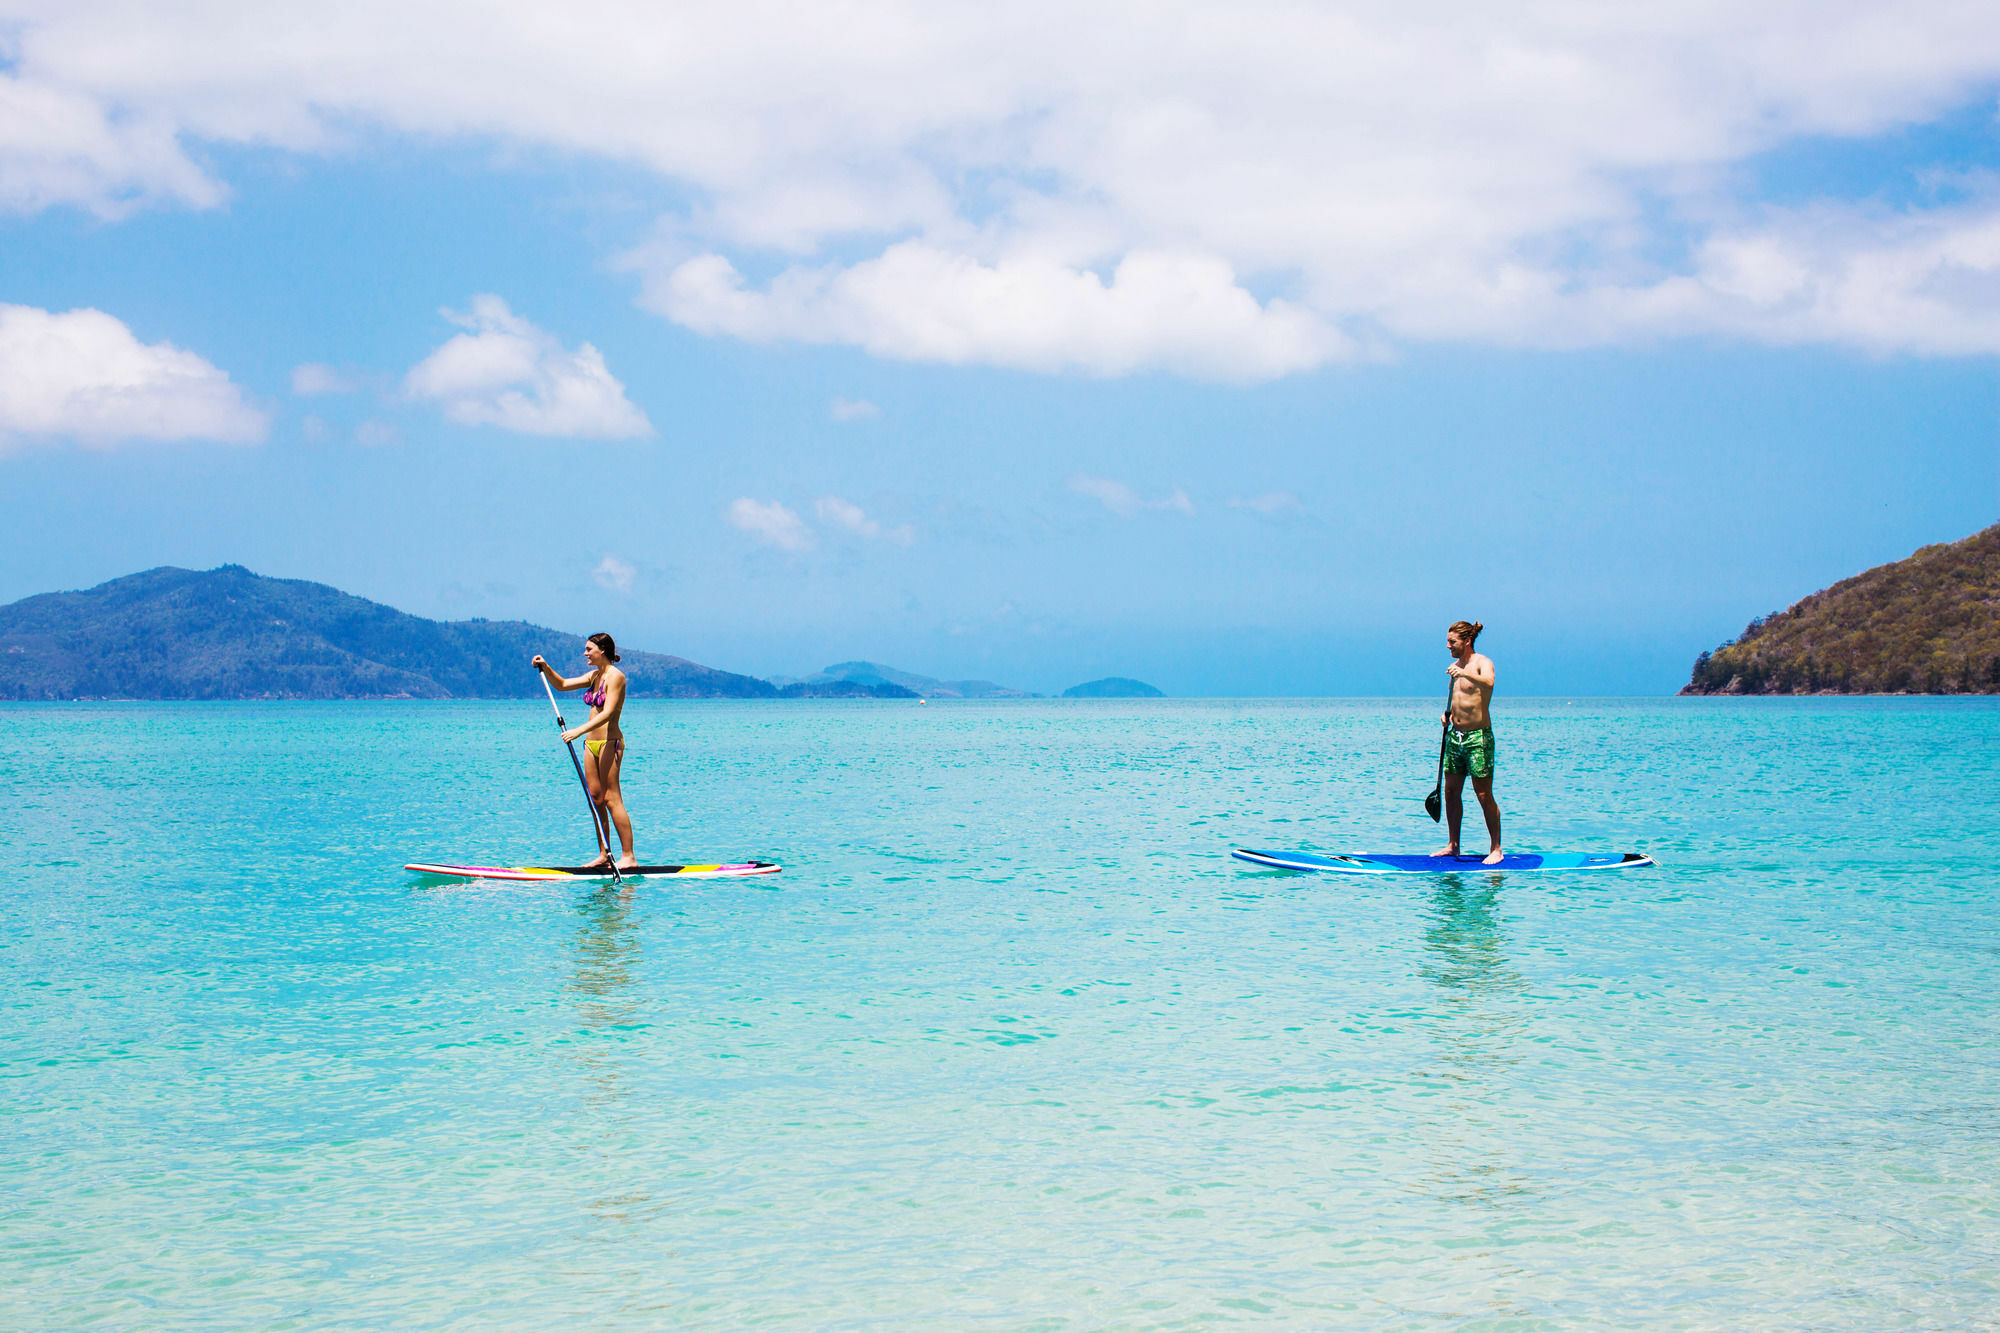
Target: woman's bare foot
[1493,858]
[1446,851]
[602,861]
[628,863]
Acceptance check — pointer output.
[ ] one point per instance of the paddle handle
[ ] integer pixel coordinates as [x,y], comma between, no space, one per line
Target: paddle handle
[599,824]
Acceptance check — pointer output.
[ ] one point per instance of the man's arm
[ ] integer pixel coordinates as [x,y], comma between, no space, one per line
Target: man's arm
[1478,669]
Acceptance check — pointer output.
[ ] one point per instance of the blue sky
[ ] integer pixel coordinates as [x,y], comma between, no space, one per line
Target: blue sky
[1239,367]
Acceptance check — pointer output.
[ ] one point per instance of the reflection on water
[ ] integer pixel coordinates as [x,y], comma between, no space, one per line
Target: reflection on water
[1478,1030]
[1464,954]
[607,954]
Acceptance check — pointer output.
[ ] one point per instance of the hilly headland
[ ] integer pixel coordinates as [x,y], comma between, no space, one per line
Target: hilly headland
[228,633]
[1928,624]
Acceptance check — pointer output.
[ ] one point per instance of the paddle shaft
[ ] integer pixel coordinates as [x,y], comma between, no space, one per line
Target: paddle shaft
[599,824]
[1434,804]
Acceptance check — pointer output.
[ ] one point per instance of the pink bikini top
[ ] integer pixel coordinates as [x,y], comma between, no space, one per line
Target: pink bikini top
[594,696]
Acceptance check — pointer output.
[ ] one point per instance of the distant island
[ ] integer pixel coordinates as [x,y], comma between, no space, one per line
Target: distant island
[885,682]
[228,633]
[1929,624]
[1113,687]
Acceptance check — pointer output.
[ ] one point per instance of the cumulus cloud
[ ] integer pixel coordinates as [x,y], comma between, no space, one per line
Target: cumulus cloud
[508,373]
[83,374]
[63,145]
[377,434]
[1235,190]
[851,518]
[771,523]
[1270,502]
[1125,502]
[917,302]
[1923,282]
[613,574]
[852,409]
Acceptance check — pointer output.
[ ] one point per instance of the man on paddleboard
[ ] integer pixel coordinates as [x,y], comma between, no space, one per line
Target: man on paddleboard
[1468,736]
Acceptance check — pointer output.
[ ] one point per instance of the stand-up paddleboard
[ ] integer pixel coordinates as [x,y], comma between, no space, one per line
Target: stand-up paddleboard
[1392,863]
[538,873]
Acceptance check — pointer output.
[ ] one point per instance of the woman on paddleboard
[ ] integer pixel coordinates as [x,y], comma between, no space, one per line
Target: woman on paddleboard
[604,749]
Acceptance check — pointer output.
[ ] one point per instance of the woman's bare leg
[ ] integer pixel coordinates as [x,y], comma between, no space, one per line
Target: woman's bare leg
[614,804]
[595,783]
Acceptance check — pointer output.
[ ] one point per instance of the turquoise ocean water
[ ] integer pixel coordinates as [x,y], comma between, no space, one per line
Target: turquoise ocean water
[1010,1043]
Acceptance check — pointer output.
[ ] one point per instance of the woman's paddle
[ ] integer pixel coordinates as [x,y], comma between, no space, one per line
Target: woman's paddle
[1434,803]
[597,821]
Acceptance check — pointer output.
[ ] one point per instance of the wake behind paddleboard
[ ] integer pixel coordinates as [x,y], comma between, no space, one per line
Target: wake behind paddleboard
[537,873]
[1392,863]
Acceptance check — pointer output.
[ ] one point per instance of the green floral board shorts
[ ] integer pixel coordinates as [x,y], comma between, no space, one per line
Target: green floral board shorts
[1469,751]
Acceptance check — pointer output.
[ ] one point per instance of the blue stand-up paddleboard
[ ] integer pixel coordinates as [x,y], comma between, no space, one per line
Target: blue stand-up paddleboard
[526,874]
[1393,863]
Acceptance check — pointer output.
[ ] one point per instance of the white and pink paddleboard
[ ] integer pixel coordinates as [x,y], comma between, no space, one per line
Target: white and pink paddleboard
[535,873]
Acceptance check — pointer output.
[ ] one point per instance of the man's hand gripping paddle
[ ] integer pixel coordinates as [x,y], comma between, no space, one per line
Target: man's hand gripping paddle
[597,821]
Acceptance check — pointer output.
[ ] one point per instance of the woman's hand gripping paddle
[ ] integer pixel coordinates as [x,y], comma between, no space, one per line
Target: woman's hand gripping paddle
[1434,803]
[597,824]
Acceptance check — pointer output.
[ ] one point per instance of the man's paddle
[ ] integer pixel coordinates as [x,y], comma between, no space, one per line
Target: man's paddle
[1434,803]
[597,820]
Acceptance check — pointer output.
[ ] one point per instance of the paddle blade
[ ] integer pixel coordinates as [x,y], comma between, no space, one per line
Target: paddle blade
[1434,804]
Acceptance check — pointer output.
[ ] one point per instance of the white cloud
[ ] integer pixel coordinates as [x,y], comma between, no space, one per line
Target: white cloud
[852,409]
[1125,502]
[613,574]
[62,145]
[852,518]
[1135,195]
[83,374]
[314,379]
[510,374]
[917,302]
[376,434]
[1890,282]
[1270,502]
[772,523]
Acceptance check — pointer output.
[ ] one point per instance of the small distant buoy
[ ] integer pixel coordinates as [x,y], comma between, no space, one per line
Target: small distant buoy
[922,703]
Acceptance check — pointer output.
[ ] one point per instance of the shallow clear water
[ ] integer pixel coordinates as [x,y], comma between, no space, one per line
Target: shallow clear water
[1010,1042]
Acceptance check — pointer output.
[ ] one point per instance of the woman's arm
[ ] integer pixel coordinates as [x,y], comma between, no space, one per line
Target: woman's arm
[558,681]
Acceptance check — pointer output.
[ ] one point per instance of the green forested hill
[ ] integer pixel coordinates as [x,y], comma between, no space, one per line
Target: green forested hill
[1926,625]
[230,634]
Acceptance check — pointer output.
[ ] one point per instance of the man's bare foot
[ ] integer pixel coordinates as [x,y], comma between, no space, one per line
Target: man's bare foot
[1446,851]
[1493,858]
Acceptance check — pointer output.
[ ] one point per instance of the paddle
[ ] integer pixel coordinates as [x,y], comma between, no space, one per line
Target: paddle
[597,823]
[1434,803]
